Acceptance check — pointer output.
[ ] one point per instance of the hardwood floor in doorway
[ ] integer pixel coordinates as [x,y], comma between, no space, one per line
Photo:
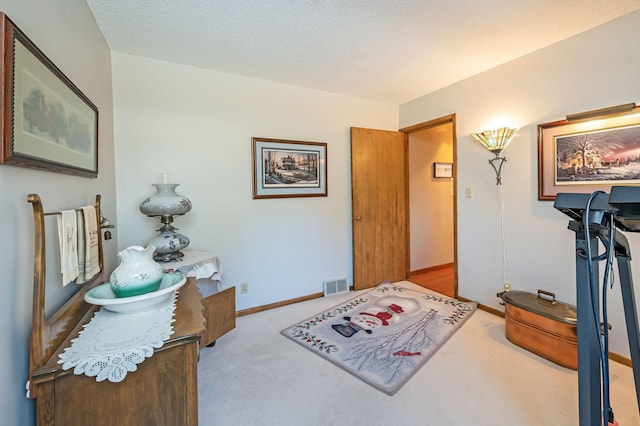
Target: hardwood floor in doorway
[438,278]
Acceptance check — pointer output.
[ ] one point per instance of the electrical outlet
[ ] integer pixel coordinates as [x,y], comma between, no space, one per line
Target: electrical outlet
[244,288]
[507,286]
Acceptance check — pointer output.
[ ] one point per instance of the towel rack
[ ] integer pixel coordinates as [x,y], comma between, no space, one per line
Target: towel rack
[47,334]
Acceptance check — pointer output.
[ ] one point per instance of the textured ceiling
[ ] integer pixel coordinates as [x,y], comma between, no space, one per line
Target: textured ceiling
[385,50]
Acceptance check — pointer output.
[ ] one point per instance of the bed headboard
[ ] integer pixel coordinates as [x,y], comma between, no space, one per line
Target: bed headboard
[48,333]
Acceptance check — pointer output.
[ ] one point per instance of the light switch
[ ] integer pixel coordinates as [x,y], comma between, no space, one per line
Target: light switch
[469,192]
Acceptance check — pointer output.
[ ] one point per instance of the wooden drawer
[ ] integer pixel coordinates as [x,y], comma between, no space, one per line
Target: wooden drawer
[220,314]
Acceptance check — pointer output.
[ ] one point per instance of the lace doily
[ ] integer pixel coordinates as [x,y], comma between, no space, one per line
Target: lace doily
[198,264]
[113,344]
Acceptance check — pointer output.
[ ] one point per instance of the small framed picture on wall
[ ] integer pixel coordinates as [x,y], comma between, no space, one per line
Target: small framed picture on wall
[442,170]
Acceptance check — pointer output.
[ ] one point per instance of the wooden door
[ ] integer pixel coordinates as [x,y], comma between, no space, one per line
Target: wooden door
[379,203]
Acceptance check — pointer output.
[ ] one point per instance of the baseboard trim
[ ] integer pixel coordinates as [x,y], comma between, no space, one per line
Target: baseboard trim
[278,304]
[482,307]
[620,359]
[431,269]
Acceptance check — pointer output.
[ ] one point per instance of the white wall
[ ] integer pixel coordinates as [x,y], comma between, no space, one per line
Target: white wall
[66,32]
[196,125]
[430,198]
[593,70]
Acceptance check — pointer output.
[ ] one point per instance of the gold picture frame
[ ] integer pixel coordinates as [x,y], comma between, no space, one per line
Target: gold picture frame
[587,155]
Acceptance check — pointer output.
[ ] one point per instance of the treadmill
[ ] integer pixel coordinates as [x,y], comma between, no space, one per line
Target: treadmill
[601,217]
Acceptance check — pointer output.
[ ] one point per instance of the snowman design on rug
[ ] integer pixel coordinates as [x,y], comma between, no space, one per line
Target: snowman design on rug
[388,310]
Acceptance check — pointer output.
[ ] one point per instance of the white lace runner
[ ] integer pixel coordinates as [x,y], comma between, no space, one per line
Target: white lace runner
[113,344]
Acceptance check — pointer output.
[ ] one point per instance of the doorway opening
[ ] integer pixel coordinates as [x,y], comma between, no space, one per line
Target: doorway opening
[432,205]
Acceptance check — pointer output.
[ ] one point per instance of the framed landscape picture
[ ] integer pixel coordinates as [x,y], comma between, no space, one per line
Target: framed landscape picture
[285,168]
[586,156]
[47,122]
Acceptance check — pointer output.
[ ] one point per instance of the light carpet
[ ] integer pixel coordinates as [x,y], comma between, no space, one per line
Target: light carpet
[384,335]
[254,376]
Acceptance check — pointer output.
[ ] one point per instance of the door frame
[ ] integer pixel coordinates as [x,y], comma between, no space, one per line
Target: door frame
[416,128]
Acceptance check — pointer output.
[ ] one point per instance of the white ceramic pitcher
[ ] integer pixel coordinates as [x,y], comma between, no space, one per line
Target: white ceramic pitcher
[137,273]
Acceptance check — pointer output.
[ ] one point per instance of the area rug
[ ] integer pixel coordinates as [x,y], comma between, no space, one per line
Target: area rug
[384,335]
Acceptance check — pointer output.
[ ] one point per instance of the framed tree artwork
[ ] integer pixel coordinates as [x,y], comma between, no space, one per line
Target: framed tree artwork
[286,168]
[47,122]
[588,155]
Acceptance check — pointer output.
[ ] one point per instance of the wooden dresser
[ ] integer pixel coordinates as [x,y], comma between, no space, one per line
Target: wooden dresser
[162,391]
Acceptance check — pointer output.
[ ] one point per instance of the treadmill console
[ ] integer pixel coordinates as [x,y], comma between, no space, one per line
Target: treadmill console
[623,203]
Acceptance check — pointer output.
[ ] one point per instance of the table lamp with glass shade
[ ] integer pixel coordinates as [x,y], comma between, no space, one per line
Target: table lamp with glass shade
[166,204]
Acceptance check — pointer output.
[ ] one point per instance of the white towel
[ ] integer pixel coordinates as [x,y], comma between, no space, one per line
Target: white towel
[67,237]
[81,247]
[88,251]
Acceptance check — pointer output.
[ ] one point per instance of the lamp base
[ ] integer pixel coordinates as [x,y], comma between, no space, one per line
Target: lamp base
[498,169]
[169,257]
[168,244]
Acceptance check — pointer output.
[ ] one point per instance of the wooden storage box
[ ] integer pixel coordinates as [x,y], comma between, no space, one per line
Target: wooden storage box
[542,325]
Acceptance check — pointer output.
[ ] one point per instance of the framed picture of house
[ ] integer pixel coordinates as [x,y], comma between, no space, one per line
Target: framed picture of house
[286,168]
[442,170]
[588,155]
[47,122]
